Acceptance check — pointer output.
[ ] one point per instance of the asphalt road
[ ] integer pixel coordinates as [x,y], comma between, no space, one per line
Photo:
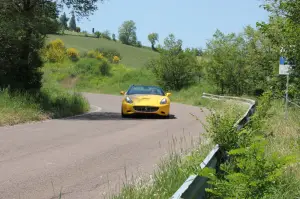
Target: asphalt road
[88,156]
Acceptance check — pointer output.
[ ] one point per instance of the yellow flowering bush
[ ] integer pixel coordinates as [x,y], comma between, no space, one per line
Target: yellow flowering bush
[55,51]
[99,56]
[73,54]
[116,59]
[92,54]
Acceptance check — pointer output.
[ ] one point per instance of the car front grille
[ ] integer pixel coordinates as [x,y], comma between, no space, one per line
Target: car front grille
[145,108]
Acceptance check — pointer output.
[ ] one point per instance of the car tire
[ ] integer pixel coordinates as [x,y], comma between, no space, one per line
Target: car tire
[123,115]
[167,116]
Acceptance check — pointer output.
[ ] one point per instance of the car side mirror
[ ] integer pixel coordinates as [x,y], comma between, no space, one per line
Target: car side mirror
[168,94]
[122,93]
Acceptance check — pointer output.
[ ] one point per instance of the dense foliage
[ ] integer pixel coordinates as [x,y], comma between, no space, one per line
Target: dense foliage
[127,33]
[174,68]
[241,63]
[23,26]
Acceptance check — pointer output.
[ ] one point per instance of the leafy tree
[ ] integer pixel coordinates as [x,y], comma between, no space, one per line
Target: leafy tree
[172,44]
[114,36]
[127,33]
[138,44]
[153,37]
[194,51]
[98,34]
[106,35]
[240,64]
[283,29]
[72,23]
[23,27]
[64,22]
[174,69]
[78,29]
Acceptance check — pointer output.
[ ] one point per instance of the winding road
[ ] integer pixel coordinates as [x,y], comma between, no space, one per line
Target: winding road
[90,155]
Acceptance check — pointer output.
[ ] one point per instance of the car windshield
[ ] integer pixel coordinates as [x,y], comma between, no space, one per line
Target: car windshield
[145,90]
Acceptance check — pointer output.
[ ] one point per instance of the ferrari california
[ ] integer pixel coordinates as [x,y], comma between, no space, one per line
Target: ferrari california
[141,99]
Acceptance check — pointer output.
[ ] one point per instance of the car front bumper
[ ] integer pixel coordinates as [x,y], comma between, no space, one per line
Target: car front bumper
[129,109]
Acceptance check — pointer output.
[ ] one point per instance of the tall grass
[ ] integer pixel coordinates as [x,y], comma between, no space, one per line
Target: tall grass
[18,108]
[51,102]
[284,139]
[167,178]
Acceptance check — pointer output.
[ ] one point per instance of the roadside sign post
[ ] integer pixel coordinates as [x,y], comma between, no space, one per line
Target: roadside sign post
[287,96]
[284,68]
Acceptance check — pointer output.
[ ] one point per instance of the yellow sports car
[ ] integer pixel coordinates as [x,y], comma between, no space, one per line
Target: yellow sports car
[141,99]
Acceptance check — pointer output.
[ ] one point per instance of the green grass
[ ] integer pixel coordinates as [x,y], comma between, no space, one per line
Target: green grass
[84,75]
[19,108]
[51,102]
[131,56]
[167,178]
[284,139]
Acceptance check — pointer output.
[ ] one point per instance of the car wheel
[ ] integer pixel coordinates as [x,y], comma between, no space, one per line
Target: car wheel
[167,116]
[123,115]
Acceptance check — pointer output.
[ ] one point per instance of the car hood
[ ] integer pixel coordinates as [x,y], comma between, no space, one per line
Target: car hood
[146,99]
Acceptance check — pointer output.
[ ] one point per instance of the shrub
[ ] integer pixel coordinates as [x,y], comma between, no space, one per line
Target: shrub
[106,35]
[174,71]
[55,51]
[78,29]
[83,54]
[87,66]
[250,173]
[58,102]
[221,129]
[85,33]
[92,54]
[105,68]
[109,53]
[73,54]
[114,37]
[100,56]
[97,34]
[138,44]
[116,59]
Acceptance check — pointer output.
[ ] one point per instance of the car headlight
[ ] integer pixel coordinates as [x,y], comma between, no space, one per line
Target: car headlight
[128,100]
[163,101]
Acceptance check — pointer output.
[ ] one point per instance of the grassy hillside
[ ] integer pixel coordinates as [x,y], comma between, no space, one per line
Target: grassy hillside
[131,56]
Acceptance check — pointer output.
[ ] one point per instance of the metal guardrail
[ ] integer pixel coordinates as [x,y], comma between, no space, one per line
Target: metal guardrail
[194,186]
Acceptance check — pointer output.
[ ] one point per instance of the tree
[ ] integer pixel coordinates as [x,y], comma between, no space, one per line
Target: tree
[174,69]
[172,44]
[194,51]
[78,29]
[240,63]
[72,23]
[127,33]
[153,37]
[106,35]
[23,29]
[138,44]
[98,34]
[283,29]
[114,36]
[64,22]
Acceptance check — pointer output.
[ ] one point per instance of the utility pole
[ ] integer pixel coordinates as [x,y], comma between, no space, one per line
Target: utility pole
[284,69]
[287,96]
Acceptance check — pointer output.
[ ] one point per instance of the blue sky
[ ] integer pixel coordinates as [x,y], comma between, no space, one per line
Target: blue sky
[193,21]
